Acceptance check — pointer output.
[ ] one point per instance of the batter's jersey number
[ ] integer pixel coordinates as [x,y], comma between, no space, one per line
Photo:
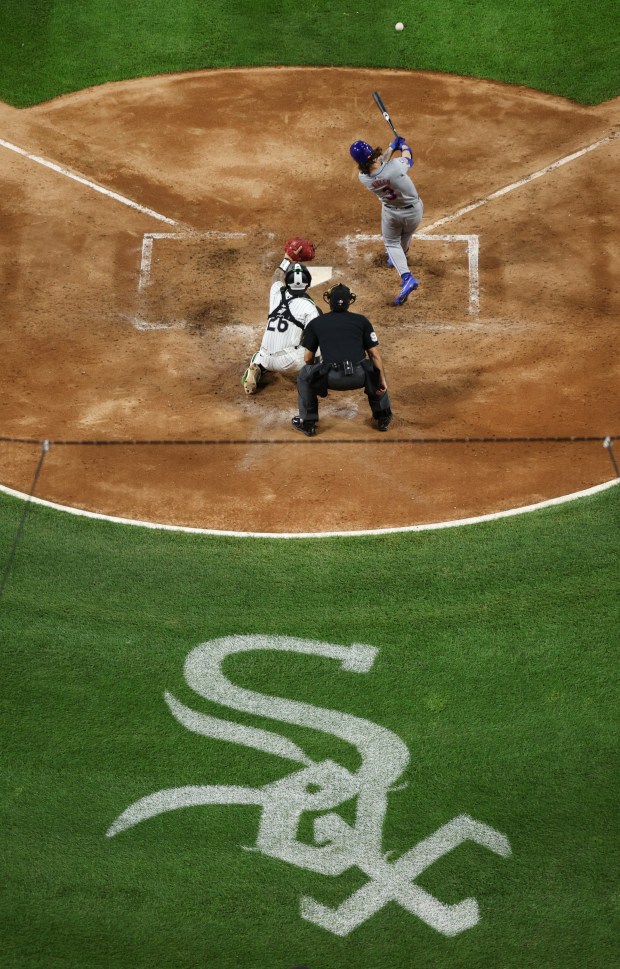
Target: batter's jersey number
[387,193]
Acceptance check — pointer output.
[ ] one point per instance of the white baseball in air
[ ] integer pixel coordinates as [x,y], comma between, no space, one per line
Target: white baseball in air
[399,26]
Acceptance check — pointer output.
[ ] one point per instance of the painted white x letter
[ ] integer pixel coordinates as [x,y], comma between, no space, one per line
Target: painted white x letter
[393,882]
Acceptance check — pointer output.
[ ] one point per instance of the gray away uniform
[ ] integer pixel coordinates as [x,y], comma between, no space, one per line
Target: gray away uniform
[401,208]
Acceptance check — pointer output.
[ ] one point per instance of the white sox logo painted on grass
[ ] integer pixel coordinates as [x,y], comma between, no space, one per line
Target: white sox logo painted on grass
[320,787]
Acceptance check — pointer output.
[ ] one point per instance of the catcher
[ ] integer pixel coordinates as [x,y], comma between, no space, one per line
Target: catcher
[290,309]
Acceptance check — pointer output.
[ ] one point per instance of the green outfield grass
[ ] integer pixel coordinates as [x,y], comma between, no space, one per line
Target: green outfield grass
[559,46]
[497,667]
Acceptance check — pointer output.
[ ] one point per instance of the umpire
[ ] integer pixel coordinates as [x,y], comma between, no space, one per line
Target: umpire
[349,360]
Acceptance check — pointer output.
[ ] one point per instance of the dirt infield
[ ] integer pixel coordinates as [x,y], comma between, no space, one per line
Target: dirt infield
[128,325]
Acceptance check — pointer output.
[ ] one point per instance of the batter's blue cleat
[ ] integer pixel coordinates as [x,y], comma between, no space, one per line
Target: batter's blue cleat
[409,284]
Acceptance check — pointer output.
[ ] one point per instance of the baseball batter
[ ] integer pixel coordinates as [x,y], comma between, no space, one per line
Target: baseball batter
[401,206]
[290,309]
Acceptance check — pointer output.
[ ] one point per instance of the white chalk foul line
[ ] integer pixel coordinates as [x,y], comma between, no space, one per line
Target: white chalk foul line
[522,181]
[492,516]
[88,183]
[473,247]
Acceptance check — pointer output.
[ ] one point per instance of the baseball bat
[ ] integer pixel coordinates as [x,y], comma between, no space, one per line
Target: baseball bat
[383,110]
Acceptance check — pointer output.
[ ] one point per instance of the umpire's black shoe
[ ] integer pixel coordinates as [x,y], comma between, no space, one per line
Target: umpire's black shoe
[306,427]
[384,422]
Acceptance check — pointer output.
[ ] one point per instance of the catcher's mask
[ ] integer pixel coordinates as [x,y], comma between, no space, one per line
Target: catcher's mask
[361,151]
[339,297]
[298,278]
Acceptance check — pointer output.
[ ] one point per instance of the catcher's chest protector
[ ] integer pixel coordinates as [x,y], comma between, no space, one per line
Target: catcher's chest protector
[283,310]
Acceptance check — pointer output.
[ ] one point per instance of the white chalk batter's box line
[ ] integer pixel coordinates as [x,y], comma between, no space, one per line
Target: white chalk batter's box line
[146,261]
[147,248]
[473,249]
[320,274]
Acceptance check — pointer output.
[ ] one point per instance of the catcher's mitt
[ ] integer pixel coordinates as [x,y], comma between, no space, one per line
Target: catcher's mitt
[300,250]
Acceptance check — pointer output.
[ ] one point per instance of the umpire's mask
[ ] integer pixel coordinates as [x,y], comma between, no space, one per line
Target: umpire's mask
[339,298]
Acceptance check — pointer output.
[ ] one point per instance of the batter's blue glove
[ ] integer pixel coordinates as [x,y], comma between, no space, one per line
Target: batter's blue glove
[398,143]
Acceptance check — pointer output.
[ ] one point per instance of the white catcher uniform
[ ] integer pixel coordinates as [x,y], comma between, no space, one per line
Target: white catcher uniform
[289,313]
[401,207]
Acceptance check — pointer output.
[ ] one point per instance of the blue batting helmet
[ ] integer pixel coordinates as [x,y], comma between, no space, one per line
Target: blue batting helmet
[361,151]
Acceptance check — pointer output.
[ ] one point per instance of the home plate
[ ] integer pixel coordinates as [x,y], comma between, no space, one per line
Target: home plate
[320,274]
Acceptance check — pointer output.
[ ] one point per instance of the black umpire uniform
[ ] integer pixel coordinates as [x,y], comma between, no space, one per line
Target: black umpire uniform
[349,360]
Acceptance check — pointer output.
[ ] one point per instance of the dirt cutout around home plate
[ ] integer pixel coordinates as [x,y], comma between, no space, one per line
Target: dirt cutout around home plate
[134,322]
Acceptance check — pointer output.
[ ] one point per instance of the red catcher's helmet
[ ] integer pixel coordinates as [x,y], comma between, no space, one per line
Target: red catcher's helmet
[361,151]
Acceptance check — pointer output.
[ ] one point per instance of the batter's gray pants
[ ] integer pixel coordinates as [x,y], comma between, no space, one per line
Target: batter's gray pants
[397,228]
[336,380]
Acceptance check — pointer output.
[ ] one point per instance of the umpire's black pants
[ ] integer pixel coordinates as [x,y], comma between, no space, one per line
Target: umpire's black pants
[312,376]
